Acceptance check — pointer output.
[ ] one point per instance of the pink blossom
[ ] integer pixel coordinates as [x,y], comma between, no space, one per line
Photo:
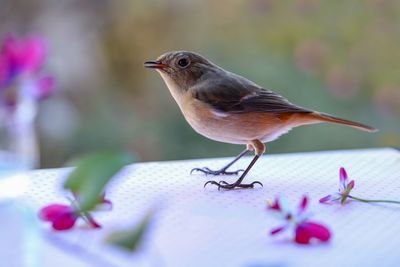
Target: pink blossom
[21,61]
[345,186]
[23,55]
[64,217]
[305,230]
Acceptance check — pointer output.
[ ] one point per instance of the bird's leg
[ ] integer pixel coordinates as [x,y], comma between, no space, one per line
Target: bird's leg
[223,169]
[260,148]
[238,183]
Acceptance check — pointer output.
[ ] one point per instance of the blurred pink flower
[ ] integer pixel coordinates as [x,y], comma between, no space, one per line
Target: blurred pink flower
[21,60]
[304,230]
[23,55]
[64,217]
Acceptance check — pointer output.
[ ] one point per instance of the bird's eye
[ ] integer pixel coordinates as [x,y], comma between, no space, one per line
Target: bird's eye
[183,62]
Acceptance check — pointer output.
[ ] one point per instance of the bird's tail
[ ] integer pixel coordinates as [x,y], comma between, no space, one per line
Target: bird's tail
[322,117]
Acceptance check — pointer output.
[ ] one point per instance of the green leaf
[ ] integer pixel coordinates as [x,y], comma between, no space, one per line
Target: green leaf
[92,174]
[131,239]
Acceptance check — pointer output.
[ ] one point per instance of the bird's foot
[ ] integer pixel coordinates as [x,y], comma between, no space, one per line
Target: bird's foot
[222,171]
[227,186]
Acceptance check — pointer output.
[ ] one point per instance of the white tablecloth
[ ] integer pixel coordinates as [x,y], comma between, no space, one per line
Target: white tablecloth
[198,226]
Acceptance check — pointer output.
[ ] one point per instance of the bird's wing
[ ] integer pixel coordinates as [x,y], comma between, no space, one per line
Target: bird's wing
[234,94]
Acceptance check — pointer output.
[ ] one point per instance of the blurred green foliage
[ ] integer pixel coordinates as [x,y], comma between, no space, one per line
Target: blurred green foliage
[91,175]
[341,57]
[132,239]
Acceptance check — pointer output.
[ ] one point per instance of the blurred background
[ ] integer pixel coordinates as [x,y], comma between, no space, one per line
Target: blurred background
[340,57]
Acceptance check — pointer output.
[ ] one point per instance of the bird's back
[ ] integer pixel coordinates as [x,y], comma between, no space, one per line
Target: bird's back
[230,93]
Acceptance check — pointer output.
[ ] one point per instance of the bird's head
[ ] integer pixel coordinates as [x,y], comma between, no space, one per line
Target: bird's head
[181,68]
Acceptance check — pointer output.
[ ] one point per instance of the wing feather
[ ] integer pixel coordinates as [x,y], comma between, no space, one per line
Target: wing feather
[234,94]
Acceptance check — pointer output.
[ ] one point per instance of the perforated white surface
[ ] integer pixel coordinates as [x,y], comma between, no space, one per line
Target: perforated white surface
[206,227]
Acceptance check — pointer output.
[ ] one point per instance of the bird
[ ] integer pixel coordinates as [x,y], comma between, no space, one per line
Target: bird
[229,108]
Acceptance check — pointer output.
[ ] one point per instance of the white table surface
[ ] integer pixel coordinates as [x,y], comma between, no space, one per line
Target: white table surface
[206,227]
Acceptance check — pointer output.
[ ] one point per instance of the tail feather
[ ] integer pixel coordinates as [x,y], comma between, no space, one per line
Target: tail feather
[328,118]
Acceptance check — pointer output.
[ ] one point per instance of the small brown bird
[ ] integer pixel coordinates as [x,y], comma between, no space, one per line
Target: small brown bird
[229,108]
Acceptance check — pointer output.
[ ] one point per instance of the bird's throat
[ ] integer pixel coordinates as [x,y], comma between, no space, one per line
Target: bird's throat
[176,92]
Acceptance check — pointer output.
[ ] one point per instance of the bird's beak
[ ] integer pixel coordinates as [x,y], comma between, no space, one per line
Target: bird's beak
[154,65]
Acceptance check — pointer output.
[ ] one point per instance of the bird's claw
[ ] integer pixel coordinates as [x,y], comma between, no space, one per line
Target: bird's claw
[227,186]
[207,171]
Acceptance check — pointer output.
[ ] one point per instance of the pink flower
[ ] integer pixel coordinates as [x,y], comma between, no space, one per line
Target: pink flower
[21,60]
[304,230]
[23,55]
[64,217]
[344,189]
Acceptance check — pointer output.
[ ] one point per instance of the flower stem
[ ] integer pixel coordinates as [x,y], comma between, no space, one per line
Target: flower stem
[373,200]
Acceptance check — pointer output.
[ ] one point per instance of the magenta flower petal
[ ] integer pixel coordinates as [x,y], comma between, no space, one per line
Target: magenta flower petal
[92,222]
[277,230]
[52,211]
[307,231]
[343,175]
[33,54]
[274,205]
[61,216]
[11,52]
[326,199]
[350,186]
[303,204]
[23,55]
[64,222]
[44,86]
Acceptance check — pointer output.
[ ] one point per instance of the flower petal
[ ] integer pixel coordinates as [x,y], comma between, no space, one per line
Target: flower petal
[23,54]
[64,222]
[92,222]
[53,211]
[350,186]
[274,205]
[343,176]
[10,49]
[277,230]
[61,216]
[326,199]
[307,231]
[33,54]
[303,204]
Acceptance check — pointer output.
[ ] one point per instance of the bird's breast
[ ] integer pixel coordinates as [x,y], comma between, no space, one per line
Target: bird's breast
[230,128]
